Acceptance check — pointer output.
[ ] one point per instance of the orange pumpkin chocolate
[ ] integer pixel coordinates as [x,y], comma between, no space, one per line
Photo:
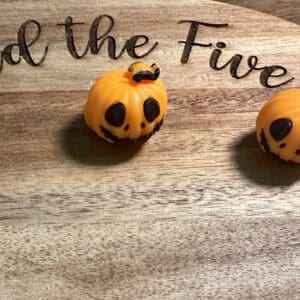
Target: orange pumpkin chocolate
[127,104]
[278,125]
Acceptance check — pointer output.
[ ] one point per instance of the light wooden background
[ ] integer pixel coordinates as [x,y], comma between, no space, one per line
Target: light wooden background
[198,212]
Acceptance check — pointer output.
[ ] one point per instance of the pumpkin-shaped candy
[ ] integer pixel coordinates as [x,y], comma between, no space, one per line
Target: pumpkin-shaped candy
[127,105]
[278,126]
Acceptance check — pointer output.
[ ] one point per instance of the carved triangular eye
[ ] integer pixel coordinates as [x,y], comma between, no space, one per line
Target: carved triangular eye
[280,128]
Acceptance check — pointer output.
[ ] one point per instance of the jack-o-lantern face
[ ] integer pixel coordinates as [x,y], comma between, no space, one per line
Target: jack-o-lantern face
[127,104]
[278,125]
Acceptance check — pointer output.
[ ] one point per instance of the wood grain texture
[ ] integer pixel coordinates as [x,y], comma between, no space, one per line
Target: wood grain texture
[197,212]
[60,72]
[287,9]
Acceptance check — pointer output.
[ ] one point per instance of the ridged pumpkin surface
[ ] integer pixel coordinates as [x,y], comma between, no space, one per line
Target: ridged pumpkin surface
[118,108]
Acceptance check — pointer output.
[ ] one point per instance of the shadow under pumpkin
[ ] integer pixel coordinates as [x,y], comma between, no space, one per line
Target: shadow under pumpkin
[260,167]
[80,143]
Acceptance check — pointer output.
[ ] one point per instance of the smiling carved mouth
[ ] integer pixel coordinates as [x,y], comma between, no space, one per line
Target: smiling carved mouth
[142,138]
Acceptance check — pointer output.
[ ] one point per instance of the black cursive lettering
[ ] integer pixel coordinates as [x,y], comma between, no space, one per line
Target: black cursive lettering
[24,45]
[252,61]
[267,73]
[7,54]
[190,40]
[131,45]
[70,38]
[96,42]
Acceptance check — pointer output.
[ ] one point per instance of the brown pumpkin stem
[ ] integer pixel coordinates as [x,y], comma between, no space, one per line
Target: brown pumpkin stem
[141,71]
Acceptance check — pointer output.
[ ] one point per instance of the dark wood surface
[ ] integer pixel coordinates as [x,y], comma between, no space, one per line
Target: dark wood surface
[197,212]
[286,9]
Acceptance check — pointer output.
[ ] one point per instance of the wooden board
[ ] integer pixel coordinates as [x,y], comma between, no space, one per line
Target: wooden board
[288,10]
[198,212]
